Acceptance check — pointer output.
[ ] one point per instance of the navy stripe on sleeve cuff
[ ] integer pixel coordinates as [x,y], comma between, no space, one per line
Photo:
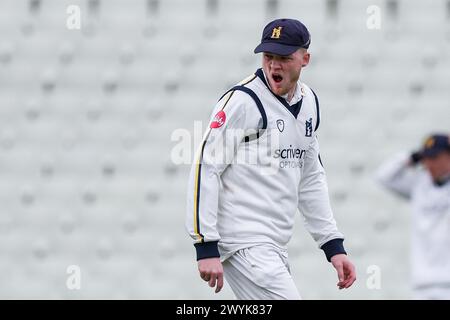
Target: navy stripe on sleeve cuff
[207,250]
[333,247]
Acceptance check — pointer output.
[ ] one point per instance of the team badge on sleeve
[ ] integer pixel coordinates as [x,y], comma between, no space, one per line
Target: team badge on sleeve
[308,127]
[219,120]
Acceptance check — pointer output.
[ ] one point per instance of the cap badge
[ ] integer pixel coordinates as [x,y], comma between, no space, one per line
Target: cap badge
[429,143]
[276,33]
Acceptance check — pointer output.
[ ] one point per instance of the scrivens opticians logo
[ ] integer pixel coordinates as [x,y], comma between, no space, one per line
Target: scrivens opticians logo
[289,153]
[290,157]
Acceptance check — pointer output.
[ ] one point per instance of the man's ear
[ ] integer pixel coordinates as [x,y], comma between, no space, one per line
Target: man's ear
[306,57]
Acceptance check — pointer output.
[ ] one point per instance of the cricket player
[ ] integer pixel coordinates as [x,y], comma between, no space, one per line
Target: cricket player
[258,163]
[427,187]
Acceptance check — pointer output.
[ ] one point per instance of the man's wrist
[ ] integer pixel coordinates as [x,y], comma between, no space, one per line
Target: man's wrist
[207,250]
[333,247]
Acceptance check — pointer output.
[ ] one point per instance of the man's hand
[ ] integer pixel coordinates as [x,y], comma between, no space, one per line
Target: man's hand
[415,158]
[345,270]
[211,271]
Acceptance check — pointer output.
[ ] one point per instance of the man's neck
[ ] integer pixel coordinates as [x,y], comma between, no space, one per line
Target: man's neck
[288,96]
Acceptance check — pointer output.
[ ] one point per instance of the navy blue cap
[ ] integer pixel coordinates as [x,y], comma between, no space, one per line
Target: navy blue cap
[435,144]
[283,37]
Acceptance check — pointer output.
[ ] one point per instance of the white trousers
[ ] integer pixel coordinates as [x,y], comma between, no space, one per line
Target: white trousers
[260,272]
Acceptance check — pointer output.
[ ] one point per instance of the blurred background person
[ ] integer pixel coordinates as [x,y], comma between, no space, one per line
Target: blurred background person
[427,187]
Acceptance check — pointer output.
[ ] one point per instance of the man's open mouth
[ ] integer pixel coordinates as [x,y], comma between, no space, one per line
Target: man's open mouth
[277,78]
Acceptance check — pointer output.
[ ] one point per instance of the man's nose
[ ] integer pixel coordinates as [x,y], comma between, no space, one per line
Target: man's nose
[275,64]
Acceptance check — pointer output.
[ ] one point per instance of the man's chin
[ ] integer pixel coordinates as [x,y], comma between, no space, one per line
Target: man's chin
[279,91]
